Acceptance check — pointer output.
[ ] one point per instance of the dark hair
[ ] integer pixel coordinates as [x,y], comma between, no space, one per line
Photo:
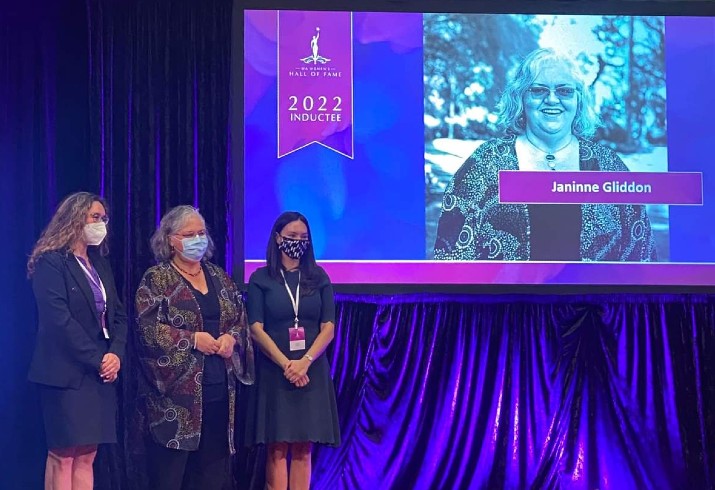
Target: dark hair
[311,274]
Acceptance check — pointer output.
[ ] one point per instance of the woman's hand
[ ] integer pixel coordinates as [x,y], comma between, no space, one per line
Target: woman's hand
[226,343]
[109,369]
[295,370]
[302,381]
[206,344]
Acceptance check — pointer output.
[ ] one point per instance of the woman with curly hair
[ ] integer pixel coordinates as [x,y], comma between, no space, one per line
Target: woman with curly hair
[80,340]
[547,117]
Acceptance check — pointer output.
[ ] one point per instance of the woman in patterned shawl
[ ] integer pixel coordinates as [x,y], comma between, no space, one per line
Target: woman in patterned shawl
[547,116]
[193,344]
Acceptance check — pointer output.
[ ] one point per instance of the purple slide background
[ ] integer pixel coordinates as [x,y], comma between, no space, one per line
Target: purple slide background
[367,208]
[516,186]
[690,67]
[690,44]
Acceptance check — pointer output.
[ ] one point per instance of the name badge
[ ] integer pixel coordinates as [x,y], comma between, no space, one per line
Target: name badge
[297,338]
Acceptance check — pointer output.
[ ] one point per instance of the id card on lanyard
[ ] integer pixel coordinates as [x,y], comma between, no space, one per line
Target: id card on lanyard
[97,282]
[296,333]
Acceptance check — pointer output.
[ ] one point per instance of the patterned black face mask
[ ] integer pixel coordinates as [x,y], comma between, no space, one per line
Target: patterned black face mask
[293,248]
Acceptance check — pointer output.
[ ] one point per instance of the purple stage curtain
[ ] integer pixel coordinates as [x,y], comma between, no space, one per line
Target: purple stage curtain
[159,75]
[557,392]
[131,99]
[43,156]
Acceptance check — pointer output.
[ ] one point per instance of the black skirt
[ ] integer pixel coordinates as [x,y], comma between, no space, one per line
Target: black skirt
[79,417]
[278,411]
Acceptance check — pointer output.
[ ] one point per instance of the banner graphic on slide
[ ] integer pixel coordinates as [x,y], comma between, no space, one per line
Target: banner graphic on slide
[315,81]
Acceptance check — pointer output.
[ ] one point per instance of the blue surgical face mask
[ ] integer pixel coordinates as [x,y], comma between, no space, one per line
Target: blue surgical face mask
[194,247]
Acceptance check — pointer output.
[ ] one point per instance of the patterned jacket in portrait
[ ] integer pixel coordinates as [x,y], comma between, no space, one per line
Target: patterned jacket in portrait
[170,388]
[475,226]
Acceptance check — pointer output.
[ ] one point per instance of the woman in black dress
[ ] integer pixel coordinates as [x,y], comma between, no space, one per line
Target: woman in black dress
[291,312]
[80,340]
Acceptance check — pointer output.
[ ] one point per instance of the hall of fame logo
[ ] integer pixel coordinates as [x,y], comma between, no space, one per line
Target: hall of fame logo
[315,81]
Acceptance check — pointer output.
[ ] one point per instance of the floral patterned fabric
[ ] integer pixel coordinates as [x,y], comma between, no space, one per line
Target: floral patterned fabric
[474,226]
[170,386]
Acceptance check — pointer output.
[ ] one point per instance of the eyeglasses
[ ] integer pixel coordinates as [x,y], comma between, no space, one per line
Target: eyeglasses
[539,92]
[96,218]
[191,235]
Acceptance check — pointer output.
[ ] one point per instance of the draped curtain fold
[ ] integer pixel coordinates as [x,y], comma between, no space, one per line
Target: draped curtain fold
[434,392]
[132,99]
[523,392]
[159,105]
[43,156]
[159,134]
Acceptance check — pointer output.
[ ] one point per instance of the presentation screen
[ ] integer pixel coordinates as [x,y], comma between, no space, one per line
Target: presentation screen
[465,148]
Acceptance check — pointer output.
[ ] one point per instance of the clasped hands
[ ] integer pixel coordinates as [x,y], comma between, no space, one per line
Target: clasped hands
[296,371]
[109,368]
[206,344]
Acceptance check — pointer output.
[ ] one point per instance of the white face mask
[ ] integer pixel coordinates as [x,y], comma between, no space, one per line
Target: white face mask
[94,233]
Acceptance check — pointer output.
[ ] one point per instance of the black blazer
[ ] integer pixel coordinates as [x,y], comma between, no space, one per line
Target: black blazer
[70,342]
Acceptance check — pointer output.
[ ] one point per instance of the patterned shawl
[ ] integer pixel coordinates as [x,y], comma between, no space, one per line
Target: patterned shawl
[170,385]
[474,226]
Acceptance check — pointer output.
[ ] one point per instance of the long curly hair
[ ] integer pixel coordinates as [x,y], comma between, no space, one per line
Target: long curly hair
[66,227]
[511,105]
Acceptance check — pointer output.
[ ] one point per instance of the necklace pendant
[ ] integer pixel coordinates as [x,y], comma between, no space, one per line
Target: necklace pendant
[551,161]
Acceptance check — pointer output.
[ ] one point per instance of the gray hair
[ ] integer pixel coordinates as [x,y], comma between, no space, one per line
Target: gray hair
[170,223]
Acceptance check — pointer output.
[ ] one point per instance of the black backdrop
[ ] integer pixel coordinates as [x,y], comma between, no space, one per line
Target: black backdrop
[131,99]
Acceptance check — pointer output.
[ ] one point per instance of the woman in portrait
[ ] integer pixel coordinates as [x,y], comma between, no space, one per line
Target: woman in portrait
[547,116]
[80,340]
[291,312]
[193,345]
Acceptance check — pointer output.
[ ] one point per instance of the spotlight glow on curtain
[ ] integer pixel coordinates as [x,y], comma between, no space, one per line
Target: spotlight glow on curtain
[601,392]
